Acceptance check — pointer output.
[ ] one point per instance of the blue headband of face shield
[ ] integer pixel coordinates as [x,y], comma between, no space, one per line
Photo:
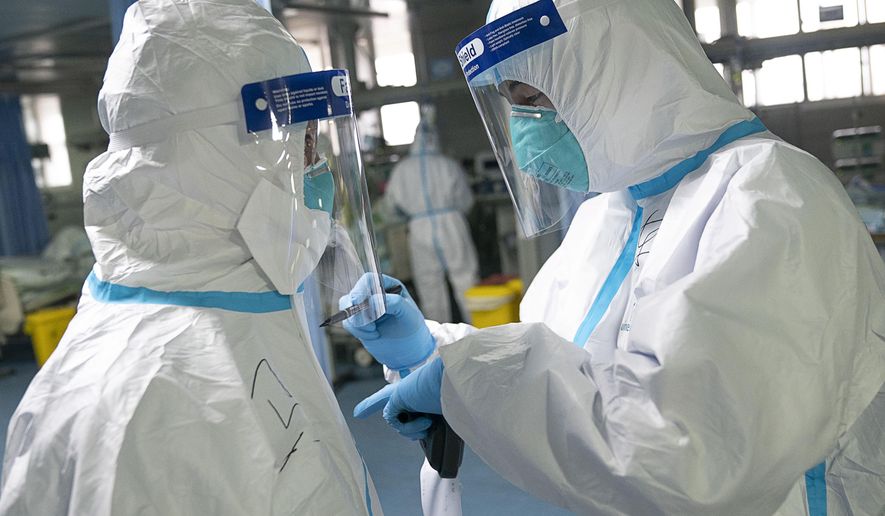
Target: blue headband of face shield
[546,149]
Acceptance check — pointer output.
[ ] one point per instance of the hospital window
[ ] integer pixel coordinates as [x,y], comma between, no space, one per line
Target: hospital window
[828,14]
[394,59]
[778,81]
[394,66]
[45,131]
[707,22]
[877,69]
[874,11]
[748,80]
[866,71]
[399,121]
[767,18]
[834,74]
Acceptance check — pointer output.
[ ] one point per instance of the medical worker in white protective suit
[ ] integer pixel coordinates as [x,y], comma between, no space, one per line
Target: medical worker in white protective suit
[432,190]
[710,336]
[186,384]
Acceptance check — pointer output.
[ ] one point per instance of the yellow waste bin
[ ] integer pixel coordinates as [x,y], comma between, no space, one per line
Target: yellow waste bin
[493,305]
[517,287]
[46,327]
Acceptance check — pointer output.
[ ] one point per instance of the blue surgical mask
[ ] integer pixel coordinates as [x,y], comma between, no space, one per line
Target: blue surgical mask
[319,187]
[546,149]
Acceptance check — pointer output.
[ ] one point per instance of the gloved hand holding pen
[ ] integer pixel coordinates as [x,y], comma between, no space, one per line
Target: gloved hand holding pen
[399,339]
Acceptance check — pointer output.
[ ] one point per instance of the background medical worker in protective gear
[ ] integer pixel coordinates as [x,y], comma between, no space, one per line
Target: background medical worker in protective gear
[432,190]
[710,336]
[186,383]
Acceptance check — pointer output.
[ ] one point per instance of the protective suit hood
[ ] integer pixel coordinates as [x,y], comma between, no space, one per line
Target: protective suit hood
[161,38]
[162,213]
[633,84]
[426,140]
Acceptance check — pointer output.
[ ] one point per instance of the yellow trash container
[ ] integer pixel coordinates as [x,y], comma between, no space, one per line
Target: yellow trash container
[517,287]
[46,327]
[493,305]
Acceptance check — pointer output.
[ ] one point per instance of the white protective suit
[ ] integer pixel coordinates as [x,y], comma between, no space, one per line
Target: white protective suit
[712,327]
[185,385]
[432,190]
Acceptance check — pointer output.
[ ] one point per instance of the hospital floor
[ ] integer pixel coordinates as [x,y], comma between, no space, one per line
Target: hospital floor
[393,462]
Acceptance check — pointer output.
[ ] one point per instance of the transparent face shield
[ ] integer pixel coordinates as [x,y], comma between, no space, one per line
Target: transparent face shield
[542,162]
[312,218]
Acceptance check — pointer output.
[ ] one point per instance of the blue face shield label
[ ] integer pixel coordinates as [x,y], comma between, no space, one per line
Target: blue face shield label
[296,98]
[505,37]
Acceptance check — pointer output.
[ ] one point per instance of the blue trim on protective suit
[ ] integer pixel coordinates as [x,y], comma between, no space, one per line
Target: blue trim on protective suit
[816,490]
[421,157]
[432,213]
[368,495]
[612,283]
[672,177]
[656,186]
[247,302]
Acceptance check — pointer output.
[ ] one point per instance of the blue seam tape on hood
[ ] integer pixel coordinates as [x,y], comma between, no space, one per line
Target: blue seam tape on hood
[672,177]
[247,302]
[612,283]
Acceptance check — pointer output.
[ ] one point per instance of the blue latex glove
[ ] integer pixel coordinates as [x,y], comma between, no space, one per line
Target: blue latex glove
[399,339]
[417,393]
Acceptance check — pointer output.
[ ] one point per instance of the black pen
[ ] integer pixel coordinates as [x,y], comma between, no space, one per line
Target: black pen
[350,311]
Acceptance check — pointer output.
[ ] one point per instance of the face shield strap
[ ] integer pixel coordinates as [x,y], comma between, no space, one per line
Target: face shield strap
[159,130]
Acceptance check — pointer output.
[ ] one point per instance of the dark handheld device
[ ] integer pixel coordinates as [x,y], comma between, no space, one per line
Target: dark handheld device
[443,448]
